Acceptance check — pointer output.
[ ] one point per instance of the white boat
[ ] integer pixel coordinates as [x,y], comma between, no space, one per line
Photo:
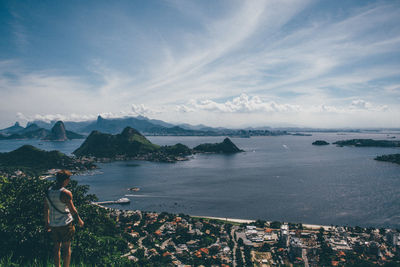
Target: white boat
[123,200]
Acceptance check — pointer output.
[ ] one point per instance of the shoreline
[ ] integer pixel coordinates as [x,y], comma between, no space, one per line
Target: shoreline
[235,220]
[306,226]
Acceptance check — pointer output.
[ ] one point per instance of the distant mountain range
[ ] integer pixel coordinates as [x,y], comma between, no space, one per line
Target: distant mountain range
[33,131]
[156,127]
[153,127]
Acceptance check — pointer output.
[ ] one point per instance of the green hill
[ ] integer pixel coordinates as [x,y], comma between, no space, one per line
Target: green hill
[30,158]
[226,147]
[129,143]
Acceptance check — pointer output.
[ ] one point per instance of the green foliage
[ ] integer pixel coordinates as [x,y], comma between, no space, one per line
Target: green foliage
[247,255]
[325,253]
[320,143]
[176,150]
[275,225]
[129,143]
[205,241]
[227,146]
[259,223]
[21,219]
[239,259]
[265,248]
[293,226]
[35,161]
[394,158]
[24,239]
[367,143]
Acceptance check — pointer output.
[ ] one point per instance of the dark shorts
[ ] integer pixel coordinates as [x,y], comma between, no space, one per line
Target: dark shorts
[63,233]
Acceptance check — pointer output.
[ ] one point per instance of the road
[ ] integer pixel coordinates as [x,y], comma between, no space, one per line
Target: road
[234,228]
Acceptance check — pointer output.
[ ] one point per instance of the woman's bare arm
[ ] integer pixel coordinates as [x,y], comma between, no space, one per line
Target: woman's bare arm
[46,214]
[66,197]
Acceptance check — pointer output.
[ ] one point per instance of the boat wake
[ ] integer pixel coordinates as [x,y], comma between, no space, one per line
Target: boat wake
[129,195]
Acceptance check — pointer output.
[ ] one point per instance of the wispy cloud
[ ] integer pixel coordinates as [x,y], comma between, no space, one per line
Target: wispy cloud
[254,58]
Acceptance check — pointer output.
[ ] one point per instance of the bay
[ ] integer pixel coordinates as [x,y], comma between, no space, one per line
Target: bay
[281,178]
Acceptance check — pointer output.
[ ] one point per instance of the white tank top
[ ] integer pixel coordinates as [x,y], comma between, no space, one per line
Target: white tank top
[57,218]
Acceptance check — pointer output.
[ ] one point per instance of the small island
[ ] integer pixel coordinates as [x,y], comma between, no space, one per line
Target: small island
[227,147]
[394,158]
[368,143]
[301,134]
[132,145]
[320,143]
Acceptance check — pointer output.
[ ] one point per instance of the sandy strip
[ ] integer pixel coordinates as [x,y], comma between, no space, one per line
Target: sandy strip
[307,226]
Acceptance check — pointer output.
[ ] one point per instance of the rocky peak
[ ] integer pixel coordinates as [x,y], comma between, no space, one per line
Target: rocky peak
[100,119]
[228,141]
[128,132]
[58,132]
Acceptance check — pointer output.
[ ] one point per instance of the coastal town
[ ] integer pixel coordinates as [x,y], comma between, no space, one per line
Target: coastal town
[165,239]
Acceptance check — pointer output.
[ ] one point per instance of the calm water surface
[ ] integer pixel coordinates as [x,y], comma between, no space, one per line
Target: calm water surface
[278,178]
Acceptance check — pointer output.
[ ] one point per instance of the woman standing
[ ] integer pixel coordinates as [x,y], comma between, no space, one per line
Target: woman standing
[59,212]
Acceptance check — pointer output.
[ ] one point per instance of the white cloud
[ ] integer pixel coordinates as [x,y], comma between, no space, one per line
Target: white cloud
[144,110]
[135,110]
[360,104]
[240,104]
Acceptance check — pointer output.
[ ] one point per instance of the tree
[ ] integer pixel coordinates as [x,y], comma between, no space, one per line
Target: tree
[259,223]
[275,225]
[22,232]
[265,247]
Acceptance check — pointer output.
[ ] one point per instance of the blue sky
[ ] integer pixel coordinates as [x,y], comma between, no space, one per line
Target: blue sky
[220,63]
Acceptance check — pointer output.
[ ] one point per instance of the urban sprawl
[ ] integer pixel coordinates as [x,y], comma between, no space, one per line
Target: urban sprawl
[181,240]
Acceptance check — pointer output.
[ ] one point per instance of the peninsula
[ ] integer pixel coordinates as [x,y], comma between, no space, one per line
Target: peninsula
[28,158]
[368,143]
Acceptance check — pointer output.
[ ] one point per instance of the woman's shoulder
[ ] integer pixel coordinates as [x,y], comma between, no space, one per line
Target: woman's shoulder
[66,195]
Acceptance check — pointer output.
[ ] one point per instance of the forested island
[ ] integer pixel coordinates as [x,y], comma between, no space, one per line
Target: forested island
[368,143]
[320,143]
[130,144]
[394,158]
[226,147]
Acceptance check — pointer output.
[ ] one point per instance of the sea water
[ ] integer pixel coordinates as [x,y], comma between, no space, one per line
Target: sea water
[282,178]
